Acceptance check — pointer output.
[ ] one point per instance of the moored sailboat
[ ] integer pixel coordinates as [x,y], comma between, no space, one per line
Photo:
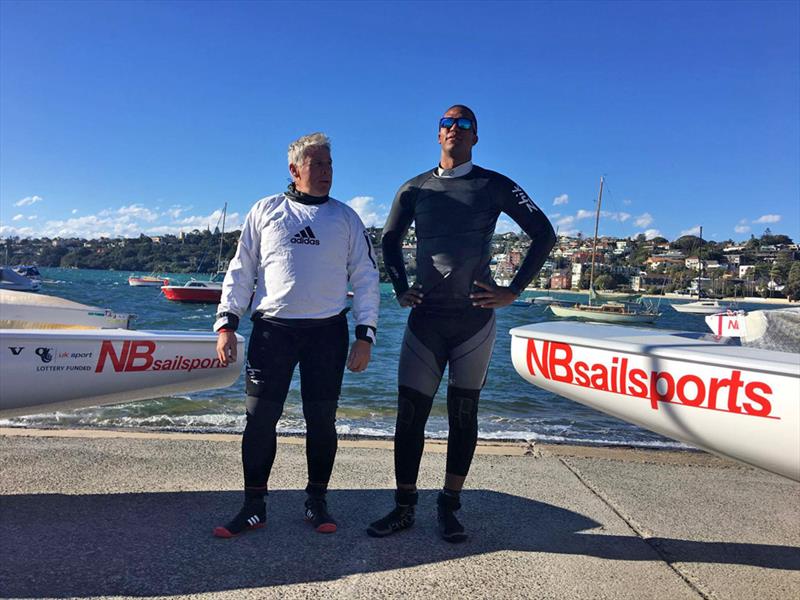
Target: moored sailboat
[609,312]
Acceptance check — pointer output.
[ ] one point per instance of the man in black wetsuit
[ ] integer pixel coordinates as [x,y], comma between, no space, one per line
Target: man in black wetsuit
[455,209]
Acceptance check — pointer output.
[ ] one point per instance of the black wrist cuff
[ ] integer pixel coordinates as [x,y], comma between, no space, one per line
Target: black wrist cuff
[226,320]
[367,333]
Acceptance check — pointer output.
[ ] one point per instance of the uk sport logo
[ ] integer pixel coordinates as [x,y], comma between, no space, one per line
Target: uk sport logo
[305,236]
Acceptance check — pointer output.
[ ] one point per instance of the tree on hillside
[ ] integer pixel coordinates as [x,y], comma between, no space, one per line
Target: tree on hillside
[770,239]
[793,282]
[686,243]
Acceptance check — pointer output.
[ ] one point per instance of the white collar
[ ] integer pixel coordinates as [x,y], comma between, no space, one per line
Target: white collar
[458,171]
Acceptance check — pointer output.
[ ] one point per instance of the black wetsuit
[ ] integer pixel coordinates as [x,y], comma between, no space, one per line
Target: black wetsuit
[455,220]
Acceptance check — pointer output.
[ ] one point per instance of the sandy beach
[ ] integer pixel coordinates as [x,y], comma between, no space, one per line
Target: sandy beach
[90,514]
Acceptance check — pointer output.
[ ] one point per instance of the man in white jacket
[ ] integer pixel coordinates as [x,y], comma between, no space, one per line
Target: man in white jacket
[301,248]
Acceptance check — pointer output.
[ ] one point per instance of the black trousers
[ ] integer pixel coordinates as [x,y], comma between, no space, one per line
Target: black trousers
[274,350]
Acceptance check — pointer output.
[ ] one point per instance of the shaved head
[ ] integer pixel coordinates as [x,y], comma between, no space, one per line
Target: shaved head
[468,111]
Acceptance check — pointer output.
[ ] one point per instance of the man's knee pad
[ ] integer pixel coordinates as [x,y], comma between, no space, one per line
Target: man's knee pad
[262,411]
[462,407]
[411,404]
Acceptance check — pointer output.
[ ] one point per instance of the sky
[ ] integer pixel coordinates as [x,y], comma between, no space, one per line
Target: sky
[121,118]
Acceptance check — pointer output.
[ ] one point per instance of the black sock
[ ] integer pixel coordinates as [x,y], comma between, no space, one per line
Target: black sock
[255,494]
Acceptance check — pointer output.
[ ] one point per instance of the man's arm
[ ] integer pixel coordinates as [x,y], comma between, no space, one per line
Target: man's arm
[400,218]
[519,206]
[511,199]
[237,288]
[362,271]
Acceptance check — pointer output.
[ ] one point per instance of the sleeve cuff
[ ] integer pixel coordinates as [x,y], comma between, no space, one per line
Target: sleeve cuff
[514,288]
[226,321]
[367,333]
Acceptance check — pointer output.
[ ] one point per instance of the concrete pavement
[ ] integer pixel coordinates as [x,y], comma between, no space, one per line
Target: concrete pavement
[105,514]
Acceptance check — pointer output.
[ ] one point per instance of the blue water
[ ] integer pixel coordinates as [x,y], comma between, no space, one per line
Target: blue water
[510,408]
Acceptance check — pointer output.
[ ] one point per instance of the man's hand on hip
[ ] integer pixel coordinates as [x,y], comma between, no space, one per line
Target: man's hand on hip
[360,353]
[494,296]
[411,297]
[226,347]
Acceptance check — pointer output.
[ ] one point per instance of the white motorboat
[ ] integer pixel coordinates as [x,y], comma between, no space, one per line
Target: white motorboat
[43,370]
[13,281]
[739,402]
[701,307]
[151,280]
[23,310]
[545,300]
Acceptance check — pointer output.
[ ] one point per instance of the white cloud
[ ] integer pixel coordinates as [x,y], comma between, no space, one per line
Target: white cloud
[692,231]
[564,221]
[562,199]
[627,202]
[137,211]
[126,221]
[768,219]
[201,222]
[371,213]
[584,214]
[623,216]
[643,220]
[505,225]
[569,232]
[28,201]
[8,231]
[649,234]
[742,228]
[554,215]
[175,211]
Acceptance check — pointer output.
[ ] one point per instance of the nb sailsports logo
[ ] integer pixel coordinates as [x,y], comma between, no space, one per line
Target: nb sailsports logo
[305,236]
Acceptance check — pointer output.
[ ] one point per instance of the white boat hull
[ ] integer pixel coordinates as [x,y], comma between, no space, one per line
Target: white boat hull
[742,403]
[730,324]
[136,282]
[20,310]
[700,308]
[47,370]
[603,317]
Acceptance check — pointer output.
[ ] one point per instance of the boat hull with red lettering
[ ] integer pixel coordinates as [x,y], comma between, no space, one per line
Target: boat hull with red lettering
[741,403]
[46,370]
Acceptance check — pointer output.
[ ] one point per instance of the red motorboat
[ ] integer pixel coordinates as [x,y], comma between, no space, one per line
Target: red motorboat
[205,292]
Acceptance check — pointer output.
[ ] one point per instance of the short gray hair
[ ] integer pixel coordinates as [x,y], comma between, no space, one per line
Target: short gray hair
[299,147]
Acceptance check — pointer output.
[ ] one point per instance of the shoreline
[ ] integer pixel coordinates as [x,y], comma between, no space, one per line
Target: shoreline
[746,300]
[433,446]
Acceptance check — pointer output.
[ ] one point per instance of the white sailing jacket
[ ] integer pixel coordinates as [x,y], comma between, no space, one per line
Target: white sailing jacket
[301,257]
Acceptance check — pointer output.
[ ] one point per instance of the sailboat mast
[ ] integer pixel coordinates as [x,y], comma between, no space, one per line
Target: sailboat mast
[594,245]
[700,266]
[222,236]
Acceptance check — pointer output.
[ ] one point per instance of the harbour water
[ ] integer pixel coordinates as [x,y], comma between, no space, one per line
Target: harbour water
[510,408]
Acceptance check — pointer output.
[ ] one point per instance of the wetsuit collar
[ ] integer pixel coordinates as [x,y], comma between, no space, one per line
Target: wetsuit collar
[458,171]
[302,198]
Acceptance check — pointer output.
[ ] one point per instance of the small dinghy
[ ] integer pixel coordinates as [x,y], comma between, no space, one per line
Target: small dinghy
[737,401]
